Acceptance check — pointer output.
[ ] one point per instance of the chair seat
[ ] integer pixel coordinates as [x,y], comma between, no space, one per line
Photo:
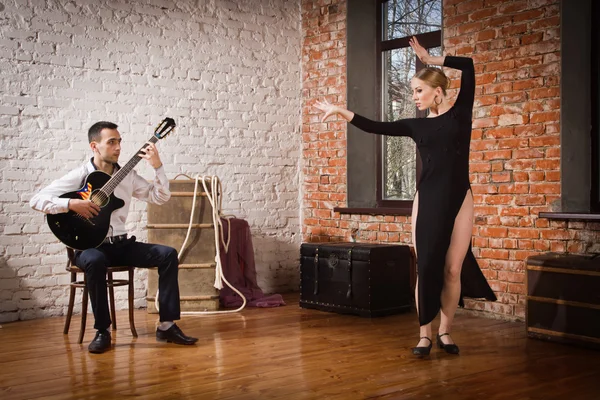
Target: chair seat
[75,268]
[109,282]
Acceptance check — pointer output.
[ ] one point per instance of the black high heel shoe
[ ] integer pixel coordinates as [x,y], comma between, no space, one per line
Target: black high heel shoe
[449,348]
[422,351]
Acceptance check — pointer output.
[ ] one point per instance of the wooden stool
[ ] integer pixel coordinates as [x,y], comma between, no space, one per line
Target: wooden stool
[110,283]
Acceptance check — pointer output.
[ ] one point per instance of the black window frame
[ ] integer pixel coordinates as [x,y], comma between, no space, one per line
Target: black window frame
[578,163]
[428,40]
[595,108]
[363,25]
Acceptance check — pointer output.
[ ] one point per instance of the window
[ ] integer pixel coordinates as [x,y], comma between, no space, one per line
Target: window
[595,107]
[397,157]
[365,88]
[579,114]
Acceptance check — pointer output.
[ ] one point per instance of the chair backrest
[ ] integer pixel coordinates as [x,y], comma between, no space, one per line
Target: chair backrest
[70,259]
[71,254]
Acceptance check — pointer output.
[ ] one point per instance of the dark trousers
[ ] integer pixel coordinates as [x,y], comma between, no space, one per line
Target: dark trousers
[94,263]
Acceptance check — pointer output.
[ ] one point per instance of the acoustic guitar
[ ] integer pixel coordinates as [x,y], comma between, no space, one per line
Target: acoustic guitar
[80,233]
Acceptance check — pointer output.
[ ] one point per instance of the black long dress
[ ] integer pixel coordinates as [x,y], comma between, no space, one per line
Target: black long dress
[443,144]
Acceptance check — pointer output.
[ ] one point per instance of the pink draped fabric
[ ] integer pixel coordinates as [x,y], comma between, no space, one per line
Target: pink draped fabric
[239,269]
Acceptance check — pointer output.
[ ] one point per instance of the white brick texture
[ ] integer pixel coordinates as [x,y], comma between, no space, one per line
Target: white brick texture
[228,72]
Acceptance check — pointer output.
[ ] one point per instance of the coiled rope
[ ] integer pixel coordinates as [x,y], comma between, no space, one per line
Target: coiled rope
[215,199]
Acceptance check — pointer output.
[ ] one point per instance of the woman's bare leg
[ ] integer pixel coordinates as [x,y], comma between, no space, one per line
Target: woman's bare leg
[459,245]
[425,330]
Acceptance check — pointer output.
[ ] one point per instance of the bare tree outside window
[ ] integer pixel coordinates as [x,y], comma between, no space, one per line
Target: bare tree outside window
[401,20]
[404,18]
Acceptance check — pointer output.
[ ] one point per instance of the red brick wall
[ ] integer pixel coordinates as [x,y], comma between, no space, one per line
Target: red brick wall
[515,148]
[324,144]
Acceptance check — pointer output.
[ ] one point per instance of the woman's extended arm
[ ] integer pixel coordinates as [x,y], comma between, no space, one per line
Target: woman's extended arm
[401,127]
[330,109]
[466,96]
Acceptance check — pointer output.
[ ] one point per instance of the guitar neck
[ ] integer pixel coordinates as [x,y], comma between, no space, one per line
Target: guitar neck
[110,186]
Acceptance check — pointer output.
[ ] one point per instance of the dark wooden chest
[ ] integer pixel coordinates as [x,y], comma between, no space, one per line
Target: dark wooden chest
[363,279]
[563,298]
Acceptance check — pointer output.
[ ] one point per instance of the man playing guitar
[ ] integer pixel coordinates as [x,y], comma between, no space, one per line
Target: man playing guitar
[117,248]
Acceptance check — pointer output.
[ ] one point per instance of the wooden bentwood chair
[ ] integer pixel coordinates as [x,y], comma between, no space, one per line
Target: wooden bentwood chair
[111,283]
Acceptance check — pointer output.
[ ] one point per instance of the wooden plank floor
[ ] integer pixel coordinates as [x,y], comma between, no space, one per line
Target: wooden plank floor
[292,353]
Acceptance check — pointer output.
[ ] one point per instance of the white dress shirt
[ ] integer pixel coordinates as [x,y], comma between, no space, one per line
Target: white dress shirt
[133,185]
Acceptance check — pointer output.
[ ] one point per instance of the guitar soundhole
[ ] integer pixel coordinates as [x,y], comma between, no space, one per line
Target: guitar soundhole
[100,198]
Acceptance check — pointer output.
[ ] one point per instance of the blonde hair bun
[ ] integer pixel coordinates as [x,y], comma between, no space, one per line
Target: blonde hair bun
[434,77]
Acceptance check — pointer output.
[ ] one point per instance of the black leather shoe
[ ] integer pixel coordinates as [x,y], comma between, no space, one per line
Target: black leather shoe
[449,348]
[101,342]
[422,351]
[174,335]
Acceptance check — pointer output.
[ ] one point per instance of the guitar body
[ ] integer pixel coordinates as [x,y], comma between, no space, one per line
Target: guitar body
[81,233]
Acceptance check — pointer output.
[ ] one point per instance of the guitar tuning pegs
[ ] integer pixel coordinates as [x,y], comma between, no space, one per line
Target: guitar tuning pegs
[164,128]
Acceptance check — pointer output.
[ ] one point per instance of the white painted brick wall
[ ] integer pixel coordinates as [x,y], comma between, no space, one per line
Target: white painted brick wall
[227,71]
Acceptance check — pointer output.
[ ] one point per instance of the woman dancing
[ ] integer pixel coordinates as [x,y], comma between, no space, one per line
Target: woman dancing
[442,214]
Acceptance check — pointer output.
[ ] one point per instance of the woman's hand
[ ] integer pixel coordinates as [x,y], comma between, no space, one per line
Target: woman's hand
[330,109]
[420,51]
[327,108]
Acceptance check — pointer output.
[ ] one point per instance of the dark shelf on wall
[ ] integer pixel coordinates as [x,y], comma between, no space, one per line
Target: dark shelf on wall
[582,216]
[373,211]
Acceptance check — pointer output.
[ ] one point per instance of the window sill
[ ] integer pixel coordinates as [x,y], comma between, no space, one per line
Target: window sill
[582,216]
[374,211]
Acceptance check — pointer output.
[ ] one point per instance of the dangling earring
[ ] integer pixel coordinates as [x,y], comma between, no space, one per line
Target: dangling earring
[436,103]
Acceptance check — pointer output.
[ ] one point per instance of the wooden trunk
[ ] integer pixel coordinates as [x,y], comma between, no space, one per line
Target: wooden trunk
[563,298]
[364,279]
[168,225]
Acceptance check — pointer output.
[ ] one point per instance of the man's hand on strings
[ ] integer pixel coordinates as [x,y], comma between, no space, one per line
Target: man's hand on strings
[150,153]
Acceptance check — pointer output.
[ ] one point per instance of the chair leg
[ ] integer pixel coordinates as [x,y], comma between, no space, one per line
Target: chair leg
[71,303]
[130,295]
[111,295]
[84,307]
